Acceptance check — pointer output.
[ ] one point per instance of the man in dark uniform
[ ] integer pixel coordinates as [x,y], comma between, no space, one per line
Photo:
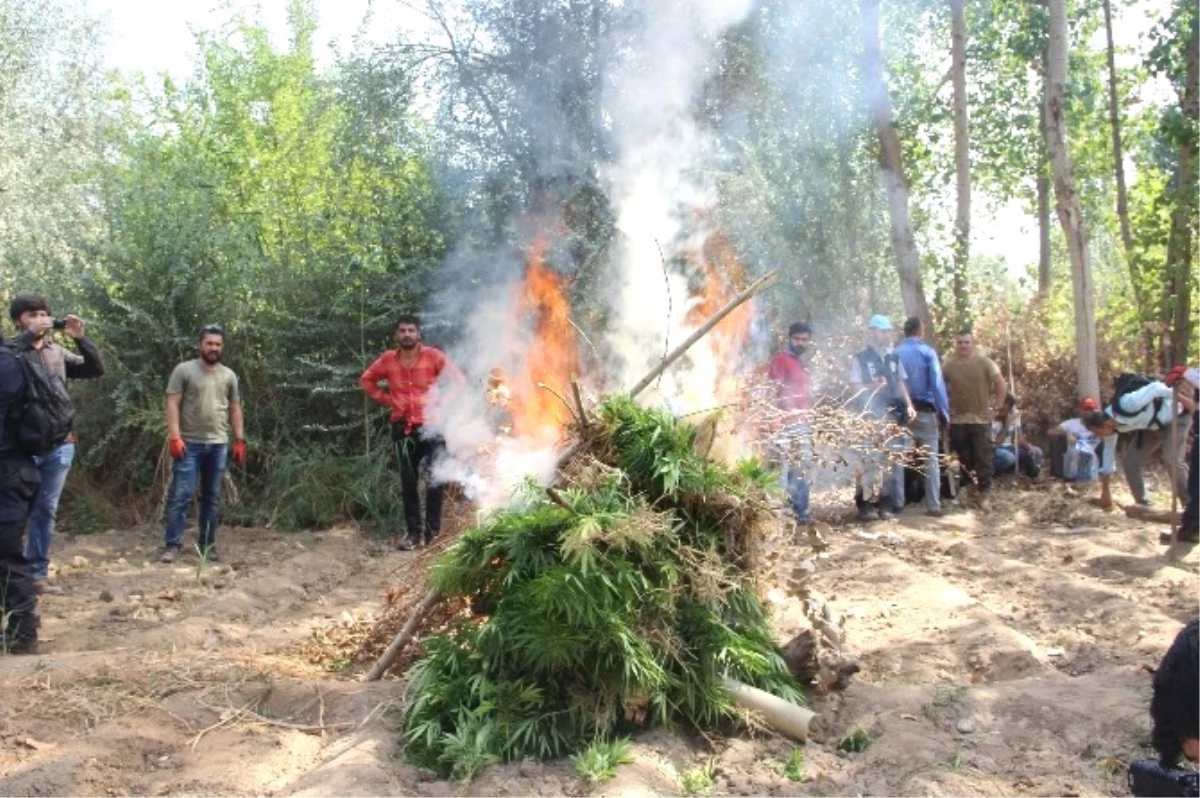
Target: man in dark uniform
[878,376]
[19,481]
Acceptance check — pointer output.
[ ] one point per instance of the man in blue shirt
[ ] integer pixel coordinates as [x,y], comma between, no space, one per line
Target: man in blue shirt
[927,390]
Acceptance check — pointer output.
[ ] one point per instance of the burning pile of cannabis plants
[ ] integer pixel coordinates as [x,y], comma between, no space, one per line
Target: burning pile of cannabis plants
[618,600]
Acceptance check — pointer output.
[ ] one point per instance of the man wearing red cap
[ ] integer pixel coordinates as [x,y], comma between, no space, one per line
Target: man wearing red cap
[1079,459]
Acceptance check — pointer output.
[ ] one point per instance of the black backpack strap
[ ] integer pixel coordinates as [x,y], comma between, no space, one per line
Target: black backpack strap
[863,365]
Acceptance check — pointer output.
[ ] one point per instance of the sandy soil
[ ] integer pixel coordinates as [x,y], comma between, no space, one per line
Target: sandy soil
[1001,655]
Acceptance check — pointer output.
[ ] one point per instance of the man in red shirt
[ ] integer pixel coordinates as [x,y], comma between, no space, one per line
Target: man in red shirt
[793,393]
[410,375]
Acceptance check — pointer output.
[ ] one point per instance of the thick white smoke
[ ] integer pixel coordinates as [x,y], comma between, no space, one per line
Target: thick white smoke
[656,183]
[659,180]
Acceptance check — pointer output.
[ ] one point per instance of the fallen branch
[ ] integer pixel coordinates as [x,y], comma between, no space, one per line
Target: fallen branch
[558,499]
[225,720]
[397,645]
[561,398]
[1140,513]
[308,728]
[583,419]
[757,286]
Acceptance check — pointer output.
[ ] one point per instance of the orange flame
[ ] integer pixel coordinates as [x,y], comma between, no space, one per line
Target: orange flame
[724,277]
[553,359]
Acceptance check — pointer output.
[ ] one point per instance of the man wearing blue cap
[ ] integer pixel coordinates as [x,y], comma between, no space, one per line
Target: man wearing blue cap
[878,376]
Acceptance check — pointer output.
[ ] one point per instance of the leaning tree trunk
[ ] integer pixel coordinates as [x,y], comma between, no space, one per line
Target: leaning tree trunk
[962,161]
[891,164]
[1180,275]
[1070,214]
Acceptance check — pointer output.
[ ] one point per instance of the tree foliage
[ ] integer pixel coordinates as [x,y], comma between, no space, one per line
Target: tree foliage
[304,206]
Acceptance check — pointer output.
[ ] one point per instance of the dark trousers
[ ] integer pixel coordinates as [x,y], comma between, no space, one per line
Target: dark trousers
[1139,447]
[1191,513]
[19,480]
[974,446]
[411,449]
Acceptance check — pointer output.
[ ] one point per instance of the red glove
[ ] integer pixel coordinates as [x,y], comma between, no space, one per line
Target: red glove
[1174,375]
[239,452]
[178,448]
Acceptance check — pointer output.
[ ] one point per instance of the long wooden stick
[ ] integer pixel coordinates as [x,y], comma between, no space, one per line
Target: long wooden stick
[401,640]
[1175,526]
[433,597]
[702,330]
[678,351]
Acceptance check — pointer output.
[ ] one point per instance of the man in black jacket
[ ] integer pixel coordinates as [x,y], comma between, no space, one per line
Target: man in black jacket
[1174,705]
[60,364]
[19,480]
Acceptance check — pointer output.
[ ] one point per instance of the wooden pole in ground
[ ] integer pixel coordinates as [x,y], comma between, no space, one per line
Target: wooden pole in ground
[1174,464]
[432,598]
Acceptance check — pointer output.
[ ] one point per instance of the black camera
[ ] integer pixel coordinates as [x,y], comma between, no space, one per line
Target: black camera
[1147,777]
[60,324]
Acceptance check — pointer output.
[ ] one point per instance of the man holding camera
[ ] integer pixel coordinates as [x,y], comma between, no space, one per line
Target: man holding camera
[30,313]
[202,403]
[1175,713]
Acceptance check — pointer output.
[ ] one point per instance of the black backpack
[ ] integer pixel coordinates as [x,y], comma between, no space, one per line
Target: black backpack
[874,365]
[1125,383]
[41,419]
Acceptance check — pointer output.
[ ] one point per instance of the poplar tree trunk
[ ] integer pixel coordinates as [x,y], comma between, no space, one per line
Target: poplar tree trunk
[1180,269]
[1070,214]
[962,161]
[1043,184]
[1043,213]
[1114,121]
[891,164]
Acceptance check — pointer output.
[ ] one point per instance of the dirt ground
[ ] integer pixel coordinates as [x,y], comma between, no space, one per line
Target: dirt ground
[1002,654]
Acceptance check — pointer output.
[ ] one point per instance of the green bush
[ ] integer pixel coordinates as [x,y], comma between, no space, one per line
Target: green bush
[315,487]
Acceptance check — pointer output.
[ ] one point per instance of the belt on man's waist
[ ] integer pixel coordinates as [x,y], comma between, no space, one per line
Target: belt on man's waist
[924,407]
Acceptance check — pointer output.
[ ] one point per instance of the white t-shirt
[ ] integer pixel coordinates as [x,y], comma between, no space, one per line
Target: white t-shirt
[1085,438]
[1009,430]
[1142,401]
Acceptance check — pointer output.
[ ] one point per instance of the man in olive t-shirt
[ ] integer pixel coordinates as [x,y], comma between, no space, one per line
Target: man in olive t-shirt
[202,404]
[975,387]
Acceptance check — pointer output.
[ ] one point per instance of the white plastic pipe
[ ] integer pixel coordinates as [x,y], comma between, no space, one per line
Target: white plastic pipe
[784,716]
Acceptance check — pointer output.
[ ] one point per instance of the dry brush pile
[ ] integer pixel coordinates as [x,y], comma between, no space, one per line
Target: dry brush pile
[618,600]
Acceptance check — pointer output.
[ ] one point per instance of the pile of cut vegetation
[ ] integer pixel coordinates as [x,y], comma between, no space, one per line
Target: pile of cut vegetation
[618,600]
